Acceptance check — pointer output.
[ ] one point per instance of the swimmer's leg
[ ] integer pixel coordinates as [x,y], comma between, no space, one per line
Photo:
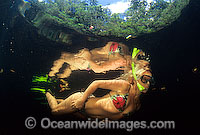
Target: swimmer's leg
[51,100]
[66,56]
[63,107]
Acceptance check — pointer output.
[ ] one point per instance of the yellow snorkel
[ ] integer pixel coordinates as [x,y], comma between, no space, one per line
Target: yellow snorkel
[135,52]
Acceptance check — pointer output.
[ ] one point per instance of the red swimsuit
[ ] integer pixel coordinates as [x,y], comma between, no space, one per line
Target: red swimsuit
[115,48]
[119,101]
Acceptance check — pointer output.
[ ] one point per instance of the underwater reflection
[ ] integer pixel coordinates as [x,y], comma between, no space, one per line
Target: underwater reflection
[124,91]
[113,56]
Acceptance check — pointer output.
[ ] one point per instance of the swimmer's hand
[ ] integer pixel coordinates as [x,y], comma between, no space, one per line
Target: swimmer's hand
[78,104]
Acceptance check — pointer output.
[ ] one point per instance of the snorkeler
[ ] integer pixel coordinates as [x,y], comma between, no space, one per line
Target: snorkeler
[113,56]
[122,99]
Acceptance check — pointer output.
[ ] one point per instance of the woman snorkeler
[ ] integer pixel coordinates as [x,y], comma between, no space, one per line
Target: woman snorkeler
[122,99]
[110,57]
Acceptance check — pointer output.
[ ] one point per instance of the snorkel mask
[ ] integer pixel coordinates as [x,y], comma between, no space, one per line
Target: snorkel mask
[140,57]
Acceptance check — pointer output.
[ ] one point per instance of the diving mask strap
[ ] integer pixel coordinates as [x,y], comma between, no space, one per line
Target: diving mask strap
[135,52]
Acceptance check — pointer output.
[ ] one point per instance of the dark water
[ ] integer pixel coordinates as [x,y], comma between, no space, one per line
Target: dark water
[174,51]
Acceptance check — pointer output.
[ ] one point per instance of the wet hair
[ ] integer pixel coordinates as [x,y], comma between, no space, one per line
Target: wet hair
[128,72]
[128,76]
[125,49]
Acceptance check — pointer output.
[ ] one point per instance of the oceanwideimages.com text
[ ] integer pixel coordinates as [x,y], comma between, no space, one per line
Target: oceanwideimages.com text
[47,123]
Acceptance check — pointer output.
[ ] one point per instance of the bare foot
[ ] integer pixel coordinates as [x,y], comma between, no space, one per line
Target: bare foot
[51,73]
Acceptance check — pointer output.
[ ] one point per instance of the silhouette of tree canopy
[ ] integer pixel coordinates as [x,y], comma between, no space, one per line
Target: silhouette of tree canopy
[79,15]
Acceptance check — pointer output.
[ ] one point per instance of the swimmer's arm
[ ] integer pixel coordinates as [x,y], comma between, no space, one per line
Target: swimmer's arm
[108,65]
[113,85]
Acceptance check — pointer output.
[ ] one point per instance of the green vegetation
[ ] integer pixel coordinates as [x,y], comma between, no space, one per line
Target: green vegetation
[80,15]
